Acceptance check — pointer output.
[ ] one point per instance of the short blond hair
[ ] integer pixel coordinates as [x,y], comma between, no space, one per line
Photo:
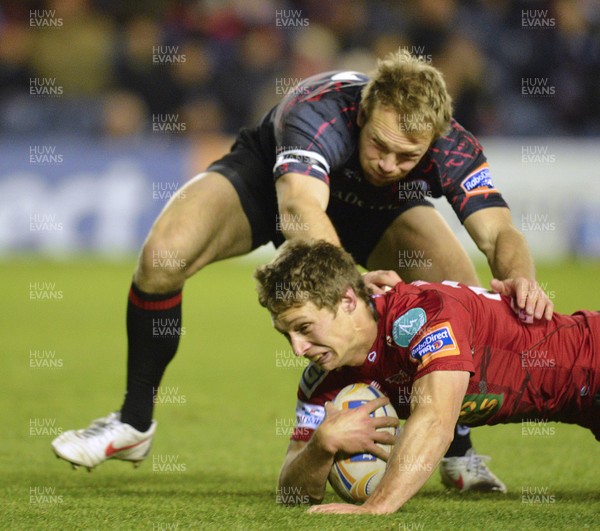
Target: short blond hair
[316,271]
[410,86]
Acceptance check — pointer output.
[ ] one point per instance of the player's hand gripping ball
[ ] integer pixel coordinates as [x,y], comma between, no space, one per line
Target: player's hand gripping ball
[354,478]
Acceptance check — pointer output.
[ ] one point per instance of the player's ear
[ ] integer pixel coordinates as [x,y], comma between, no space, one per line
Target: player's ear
[362,117]
[349,301]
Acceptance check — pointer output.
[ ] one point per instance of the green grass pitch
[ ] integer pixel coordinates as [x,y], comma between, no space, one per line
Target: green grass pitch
[227,411]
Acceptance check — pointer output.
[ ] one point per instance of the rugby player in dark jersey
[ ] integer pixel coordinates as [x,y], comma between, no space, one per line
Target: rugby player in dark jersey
[344,158]
[442,353]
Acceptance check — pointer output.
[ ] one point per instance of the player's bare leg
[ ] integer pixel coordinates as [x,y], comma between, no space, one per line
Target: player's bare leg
[204,222]
[420,245]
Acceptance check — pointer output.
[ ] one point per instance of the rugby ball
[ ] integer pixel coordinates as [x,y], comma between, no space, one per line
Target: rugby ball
[355,477]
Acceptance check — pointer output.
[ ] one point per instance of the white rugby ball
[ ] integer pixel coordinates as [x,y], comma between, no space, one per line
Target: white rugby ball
[354,478]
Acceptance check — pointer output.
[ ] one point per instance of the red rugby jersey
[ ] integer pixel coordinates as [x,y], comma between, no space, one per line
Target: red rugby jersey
[546,370]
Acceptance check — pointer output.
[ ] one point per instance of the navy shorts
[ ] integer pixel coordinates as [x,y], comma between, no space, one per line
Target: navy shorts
[251,174]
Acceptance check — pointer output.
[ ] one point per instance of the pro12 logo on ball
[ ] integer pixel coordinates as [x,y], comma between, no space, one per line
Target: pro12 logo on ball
[354,478]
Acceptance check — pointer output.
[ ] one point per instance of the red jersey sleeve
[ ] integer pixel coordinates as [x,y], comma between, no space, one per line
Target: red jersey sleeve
[443,342]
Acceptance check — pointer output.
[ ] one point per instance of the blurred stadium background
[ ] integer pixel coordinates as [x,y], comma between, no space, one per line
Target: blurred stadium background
[107,107]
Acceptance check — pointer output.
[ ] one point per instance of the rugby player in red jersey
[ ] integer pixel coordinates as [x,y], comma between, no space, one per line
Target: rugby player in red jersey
[442,352]
[345,158]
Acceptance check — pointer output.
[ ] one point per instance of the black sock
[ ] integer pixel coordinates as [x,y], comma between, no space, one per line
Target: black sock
[461,442]
[153,331]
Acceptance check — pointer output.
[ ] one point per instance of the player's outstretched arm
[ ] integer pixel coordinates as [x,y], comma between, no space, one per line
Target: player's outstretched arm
[423,441]
[302,201]
[304,472]
[509,258]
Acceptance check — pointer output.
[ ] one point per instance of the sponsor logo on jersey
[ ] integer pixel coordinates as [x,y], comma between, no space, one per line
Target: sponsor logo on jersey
[479,408]
[309,415]
[479,181]
[407,326]
[437,342]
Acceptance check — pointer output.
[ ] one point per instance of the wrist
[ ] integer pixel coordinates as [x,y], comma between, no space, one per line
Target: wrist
[323,444]
[379,507]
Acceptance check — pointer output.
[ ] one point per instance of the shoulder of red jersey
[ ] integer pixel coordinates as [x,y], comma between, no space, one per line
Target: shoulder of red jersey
[422,318]
[406,308]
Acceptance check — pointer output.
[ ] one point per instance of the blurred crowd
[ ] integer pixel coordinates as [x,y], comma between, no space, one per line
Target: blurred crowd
[121,68]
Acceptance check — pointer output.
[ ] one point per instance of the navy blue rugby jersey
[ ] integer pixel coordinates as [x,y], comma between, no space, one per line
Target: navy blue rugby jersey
[313,131]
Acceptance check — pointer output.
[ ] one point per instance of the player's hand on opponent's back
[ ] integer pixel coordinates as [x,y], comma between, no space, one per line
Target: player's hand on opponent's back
[354,431]
[528,296]
[381,280]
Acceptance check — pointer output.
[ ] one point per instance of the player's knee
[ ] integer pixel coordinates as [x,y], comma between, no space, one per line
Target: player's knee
[161,267]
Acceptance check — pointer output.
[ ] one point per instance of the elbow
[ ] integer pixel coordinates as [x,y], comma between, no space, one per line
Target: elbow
[289,207]
[447,436]
[488,248]
[442,428]
[505,238]
[445,431]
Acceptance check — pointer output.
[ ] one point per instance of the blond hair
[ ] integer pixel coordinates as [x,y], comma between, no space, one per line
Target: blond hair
[316,271]
[411,87]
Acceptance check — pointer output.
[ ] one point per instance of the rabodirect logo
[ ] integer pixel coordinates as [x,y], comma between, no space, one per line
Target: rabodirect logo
[479,182]
[439,340]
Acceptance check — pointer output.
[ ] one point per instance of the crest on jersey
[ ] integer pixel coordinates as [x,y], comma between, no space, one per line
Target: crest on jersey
[479,181]
[407,326]
[399,378]
[437,342]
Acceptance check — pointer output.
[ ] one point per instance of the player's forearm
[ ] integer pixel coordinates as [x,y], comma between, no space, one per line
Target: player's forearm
[510,257]
[306,222]
[423,441]
[305,475]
